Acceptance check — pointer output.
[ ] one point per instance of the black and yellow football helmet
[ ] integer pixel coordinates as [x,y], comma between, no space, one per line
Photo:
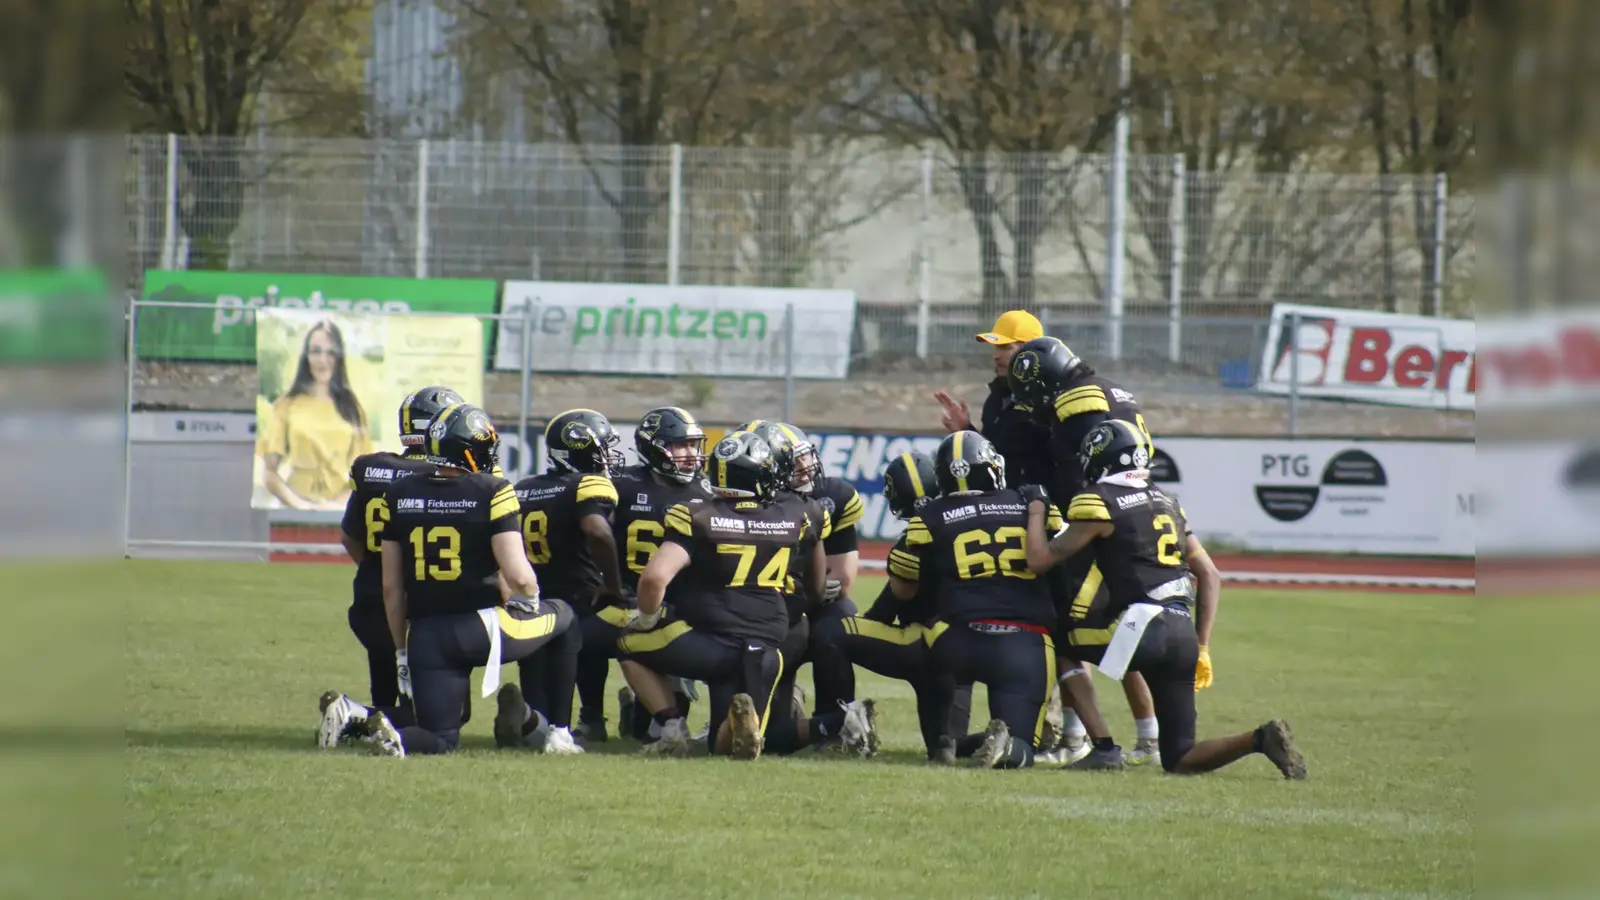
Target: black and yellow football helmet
[463,437]
[418,410]
[909,482]
[582,441]
[966,463]
[742,465]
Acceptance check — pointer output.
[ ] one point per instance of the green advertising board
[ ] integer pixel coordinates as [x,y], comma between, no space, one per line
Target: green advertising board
[56,316]
[227,332]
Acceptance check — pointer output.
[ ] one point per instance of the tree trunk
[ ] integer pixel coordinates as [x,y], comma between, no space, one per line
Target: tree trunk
[973,171]
[215,170]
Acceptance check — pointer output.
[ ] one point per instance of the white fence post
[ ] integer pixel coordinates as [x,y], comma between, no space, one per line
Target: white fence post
[420,266]
[1441,213]
[925,257]
[1117,239]
[1175,289]
[675,216]
[169,228]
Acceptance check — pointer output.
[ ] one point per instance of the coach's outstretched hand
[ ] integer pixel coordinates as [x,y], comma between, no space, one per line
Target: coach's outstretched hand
[1202,670]
[956,416]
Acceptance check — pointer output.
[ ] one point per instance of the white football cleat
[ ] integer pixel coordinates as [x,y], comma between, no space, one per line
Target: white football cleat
[860,732]
[1146,752]
[559,742]
[339,713]
[1077,746]
[674,740]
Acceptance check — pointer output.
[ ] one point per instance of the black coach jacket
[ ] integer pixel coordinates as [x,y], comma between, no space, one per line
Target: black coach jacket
[1023,442]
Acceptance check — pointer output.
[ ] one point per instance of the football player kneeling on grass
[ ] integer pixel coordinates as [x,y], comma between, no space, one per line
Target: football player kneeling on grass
[1142,545]
[454,569]
[731,616]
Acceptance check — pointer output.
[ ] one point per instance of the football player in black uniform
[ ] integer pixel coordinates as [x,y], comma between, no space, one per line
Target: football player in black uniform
[566,531]
[361,532]
[995,616]
[731,617]
[875,642]
[454,568]
[671,447]
[1141,541]
[1070,399]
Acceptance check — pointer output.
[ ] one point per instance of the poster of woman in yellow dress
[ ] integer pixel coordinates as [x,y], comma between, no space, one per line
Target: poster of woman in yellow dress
[329,386]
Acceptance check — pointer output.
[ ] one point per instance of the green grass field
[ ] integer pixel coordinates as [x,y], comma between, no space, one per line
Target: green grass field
[227,796]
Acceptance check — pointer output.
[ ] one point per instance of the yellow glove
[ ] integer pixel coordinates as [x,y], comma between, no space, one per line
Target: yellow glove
[1202,669]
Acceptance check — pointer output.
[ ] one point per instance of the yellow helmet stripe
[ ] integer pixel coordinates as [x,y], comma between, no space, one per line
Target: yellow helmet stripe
[917,490]
[433,438]
[955,454]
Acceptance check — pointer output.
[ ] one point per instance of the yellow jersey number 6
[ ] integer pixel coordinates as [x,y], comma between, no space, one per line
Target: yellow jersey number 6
[1167,545]
[443,543]
[377,517]
[639,550]
[1011,561]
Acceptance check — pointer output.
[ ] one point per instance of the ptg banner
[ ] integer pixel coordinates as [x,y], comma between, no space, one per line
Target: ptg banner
[227,332]
[663,330]
[330,385]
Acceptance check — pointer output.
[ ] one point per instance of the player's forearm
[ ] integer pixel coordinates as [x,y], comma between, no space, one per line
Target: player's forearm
[652,591]
[603,550]
[1208,590]
[842,567]
[816,582]
[394,593]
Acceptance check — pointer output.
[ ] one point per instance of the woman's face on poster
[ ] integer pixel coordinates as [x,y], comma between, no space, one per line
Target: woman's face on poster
[322,353]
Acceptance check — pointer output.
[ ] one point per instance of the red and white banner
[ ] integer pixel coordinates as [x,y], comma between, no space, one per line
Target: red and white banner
[1354,354]
[1542,360]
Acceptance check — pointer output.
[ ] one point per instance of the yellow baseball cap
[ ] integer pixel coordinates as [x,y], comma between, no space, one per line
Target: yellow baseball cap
[1014,327]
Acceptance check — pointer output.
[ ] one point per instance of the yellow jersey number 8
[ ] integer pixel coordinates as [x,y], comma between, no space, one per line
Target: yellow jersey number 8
[536,537]
[1010,562]
[437,553]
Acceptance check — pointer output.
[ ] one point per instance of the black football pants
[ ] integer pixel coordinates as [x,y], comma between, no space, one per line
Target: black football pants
[1166,656]
[1018,667]
[371,628]
[728,665]
[443,651]
[902,653]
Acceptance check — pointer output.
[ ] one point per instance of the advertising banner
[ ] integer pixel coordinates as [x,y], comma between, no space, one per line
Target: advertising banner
[228,333]
[1539,499]
[329,387]
[1541,360]
[1354,354]
[669,330]
[1375,497]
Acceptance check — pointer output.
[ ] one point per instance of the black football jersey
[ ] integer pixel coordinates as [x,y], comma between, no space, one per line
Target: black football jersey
[974,547]
[552,506]
[639,523]
[740,555]
[365,514]
[1143,557]
[1078,410]
[444,525]
[843,505]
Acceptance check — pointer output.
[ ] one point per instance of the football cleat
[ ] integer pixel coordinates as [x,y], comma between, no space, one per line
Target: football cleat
[1278,744]
[1146,752]
[559,742]
[1100,760]
[674,740]
[860,732]
[1075,747]
[342,718]
[590,732]
[1052,735]
[385,737]
[799,703]
[996,746]
[745,726]
[624,712]
[510,717]
[945,755]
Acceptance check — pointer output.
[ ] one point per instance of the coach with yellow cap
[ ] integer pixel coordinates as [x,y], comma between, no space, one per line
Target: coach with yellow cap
[1024,443]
